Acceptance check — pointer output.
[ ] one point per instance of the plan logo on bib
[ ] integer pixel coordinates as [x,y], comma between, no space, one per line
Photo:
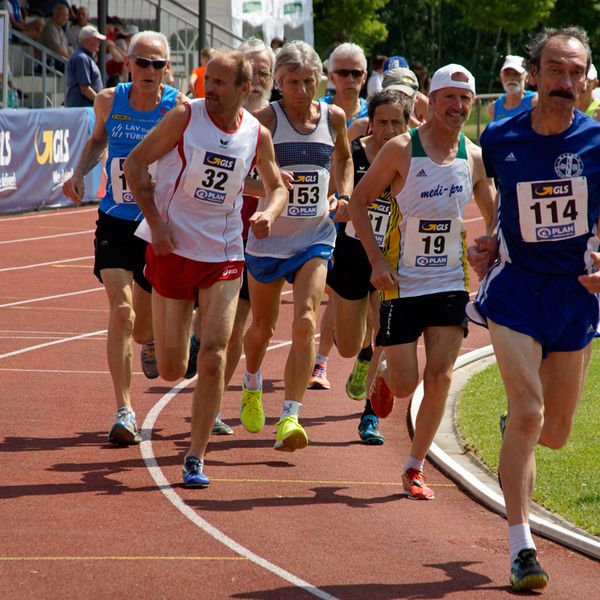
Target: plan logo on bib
[568,165]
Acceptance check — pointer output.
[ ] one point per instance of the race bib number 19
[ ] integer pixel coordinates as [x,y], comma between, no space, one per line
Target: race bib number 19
[550,211]
[432,242]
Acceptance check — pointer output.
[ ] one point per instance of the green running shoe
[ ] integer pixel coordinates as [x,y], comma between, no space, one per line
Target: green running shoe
[356,386]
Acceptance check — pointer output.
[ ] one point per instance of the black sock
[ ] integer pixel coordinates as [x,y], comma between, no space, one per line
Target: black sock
[368,409]
[366,353]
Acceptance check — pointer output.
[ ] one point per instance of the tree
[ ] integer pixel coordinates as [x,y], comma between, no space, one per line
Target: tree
[348,20]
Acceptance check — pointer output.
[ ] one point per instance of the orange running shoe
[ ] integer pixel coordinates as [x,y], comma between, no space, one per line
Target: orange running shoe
[414,485]
[318,380]
[382,399]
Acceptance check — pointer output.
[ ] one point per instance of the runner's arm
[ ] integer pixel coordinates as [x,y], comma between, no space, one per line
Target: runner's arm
[341,166]
[276,191]
[380,175]
[94,148]
[161,140]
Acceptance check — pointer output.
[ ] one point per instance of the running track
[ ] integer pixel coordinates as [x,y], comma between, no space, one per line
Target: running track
[80,519]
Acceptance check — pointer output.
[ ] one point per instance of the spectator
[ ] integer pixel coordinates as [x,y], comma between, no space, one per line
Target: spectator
[113,28]
[376,78]
[32,29]
[585,101]
[53,35]
[196,85]
[116,53]
[420,70]
[84,79]
[82,18]
[277,44]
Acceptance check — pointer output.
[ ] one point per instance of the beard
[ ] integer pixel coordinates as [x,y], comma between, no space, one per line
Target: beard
[257,98]
[512,87]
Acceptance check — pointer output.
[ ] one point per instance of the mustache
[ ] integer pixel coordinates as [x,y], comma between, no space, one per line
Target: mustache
[563,94]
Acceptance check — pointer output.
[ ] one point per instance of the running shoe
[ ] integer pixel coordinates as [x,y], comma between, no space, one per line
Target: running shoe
[414,485]
[290,435]
[251,410]
[356,386]
[369,431]
[192,367]
[124,432]
[318,380]
[502,423]
[192,474]
[221,428]
[382,399]
[526,573]
[148,358]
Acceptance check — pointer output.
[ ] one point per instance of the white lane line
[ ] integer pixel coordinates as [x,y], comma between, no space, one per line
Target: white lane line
[61,371]
[473,220]
[45,264]
[47,237]
[165,487]
[51,297]
[50,213]
[53,343]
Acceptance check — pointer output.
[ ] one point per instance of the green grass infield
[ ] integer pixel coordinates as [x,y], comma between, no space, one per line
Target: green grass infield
[568,480]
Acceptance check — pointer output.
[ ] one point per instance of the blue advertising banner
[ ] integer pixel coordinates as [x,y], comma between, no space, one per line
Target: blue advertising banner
[39,150]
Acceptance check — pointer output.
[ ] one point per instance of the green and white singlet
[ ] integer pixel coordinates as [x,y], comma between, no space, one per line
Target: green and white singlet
[425,240]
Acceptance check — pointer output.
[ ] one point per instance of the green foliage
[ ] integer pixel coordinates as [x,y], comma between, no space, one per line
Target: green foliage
[568,480]
[348,20]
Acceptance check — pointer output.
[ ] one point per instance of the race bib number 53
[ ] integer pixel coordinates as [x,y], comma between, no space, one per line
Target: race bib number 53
[550,211]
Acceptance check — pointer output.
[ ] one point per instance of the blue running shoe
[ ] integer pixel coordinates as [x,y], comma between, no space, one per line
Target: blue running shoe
[192,367]
[526,572]
[502,422]
[369,431]
[124,432]
[193,477]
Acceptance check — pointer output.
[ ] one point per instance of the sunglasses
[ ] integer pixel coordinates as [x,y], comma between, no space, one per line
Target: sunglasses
[356,73]
[144,63]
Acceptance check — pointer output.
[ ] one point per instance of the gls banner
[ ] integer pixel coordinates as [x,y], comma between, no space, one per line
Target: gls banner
[39,150]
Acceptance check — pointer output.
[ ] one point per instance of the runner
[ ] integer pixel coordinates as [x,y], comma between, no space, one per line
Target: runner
[536,298]
[434,171]
[516,98]
[204,149]
[355,300]
[310,141]
[586,102]
[123,116]
[262,59]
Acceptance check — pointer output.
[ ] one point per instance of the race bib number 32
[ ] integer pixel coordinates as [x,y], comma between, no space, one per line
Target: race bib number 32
[550,211]
[213,178]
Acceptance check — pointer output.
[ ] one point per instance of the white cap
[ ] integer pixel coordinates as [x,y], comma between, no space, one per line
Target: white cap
[446,77]
[512,61]
[89,31]
[129,30]
[592,73]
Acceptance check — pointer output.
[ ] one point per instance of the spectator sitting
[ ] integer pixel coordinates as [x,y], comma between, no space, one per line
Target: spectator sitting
[116,54]
[84,79]
[82,18]
[53,35]
[44,8]
[32,29]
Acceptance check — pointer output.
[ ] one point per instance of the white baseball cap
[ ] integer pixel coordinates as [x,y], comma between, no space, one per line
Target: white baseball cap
[90,31]
[592,73]
[512,61]
[446,77]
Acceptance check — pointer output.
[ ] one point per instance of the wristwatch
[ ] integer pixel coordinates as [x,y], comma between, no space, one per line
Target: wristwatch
[343,197]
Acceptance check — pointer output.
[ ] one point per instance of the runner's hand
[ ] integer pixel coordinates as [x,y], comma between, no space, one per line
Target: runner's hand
[261,224]
[592,282]
[287,177]
[163,241]
[74,189]
[383,277]
[341,213]
[482,254]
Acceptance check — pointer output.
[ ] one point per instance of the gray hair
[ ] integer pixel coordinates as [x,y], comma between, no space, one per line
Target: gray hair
[149,36]
[347,50]
[297,55]
[538,43]
[254,45]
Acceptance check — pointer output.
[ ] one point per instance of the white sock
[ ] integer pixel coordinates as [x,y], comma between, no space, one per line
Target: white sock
[253,381]
[413,463]
[218,417]
[519,537]
[291,408]
[321,359]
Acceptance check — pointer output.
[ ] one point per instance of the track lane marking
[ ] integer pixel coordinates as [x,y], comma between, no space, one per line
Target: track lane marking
[47,237]
[117,558]
[54,297]
[55,212]
[45,264]
[53,343]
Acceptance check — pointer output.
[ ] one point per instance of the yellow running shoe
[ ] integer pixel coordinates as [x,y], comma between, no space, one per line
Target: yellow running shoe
[290,435]
[251,410]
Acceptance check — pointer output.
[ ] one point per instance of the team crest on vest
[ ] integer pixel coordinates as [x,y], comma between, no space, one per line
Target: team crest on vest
[568,165]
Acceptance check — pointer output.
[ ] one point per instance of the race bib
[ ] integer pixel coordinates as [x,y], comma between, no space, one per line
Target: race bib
[214,178]
[120,190]
[550,211]
[308,196]
[432,242]
[379,213]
